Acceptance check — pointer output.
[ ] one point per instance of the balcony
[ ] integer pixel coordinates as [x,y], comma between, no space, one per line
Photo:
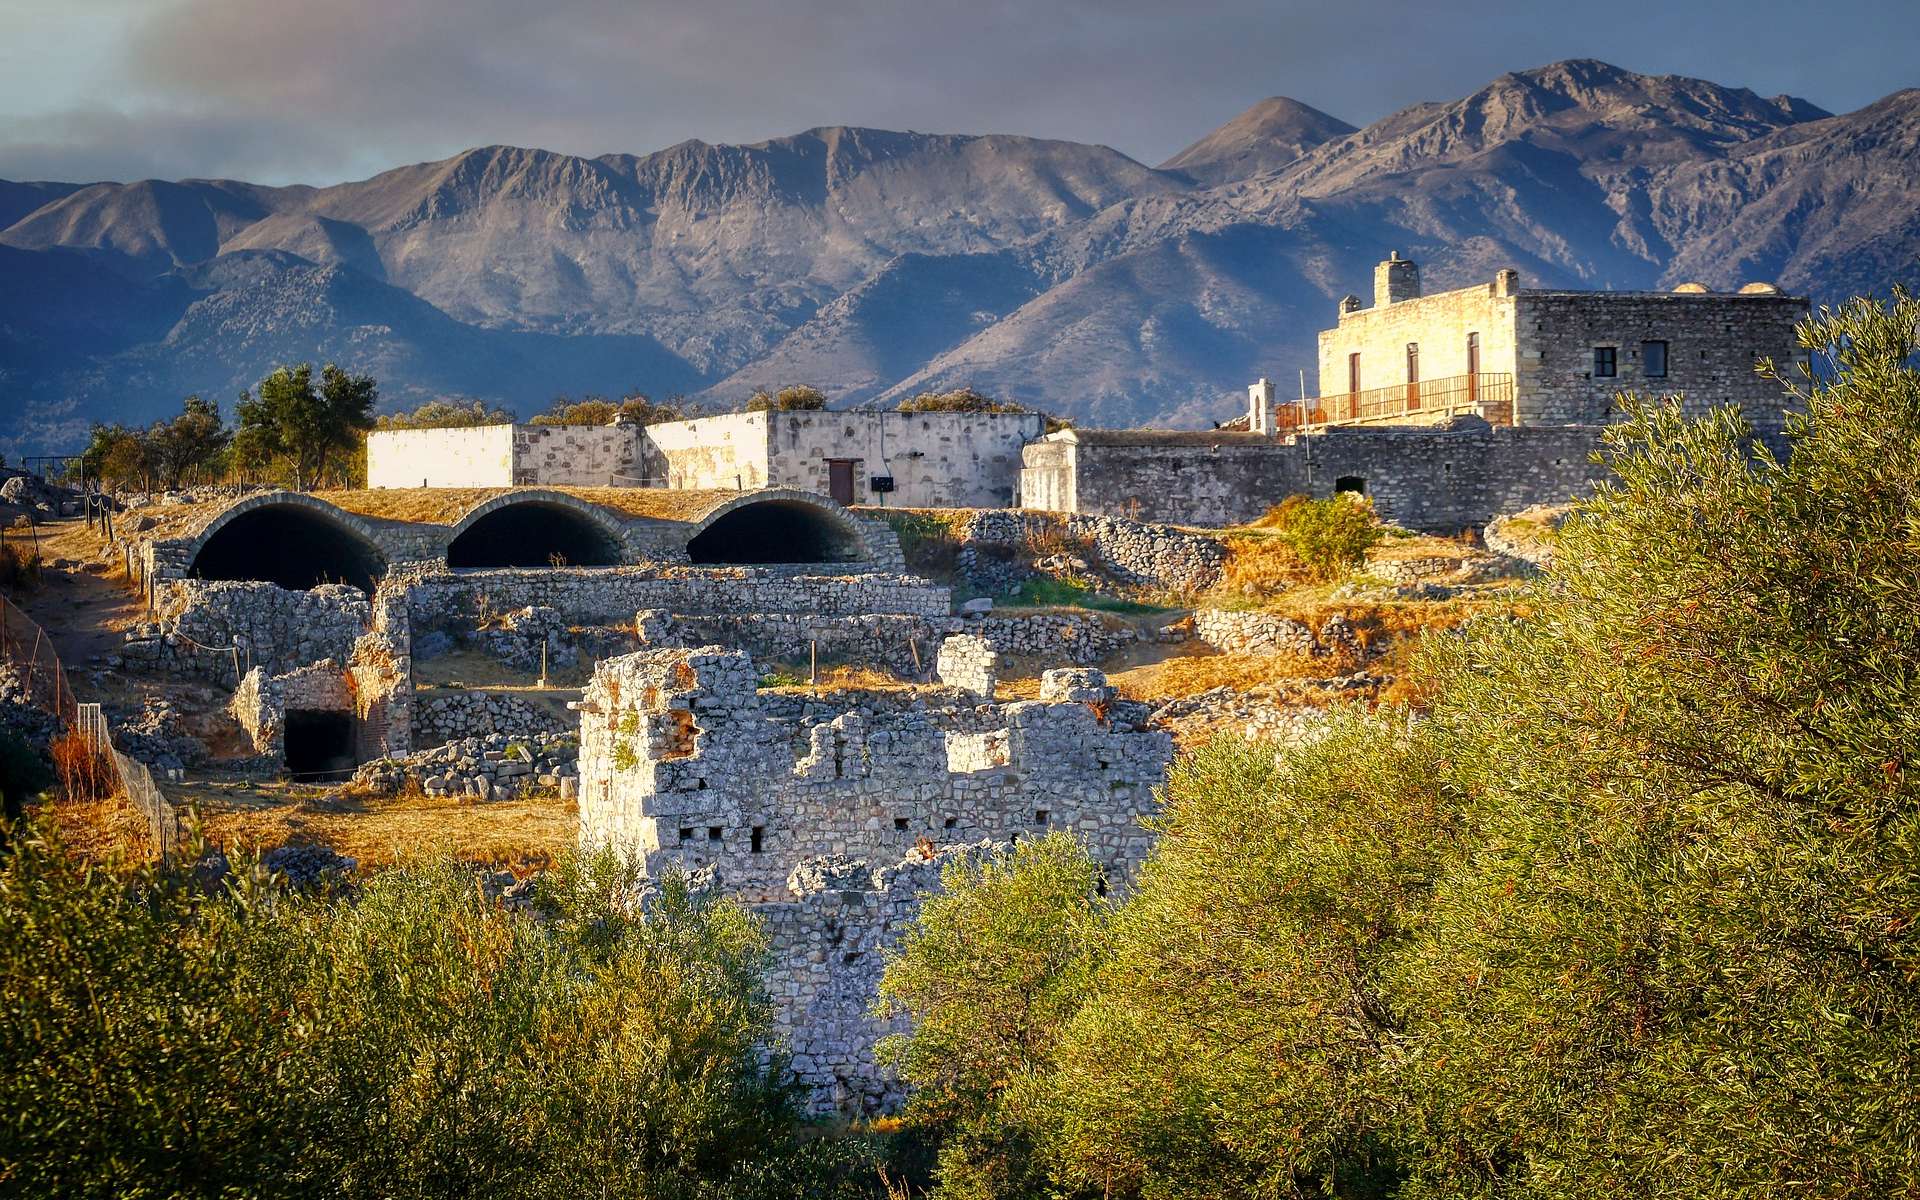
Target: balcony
[1429,401]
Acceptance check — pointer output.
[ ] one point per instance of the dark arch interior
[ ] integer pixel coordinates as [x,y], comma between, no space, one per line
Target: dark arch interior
[291,546]
[1350,483]
[533,534]
[318,741]
[774,531]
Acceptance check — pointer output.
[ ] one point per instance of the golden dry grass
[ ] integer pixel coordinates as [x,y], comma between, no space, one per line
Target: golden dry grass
[381,831]
[445,506]
[1191,674]
[105,831]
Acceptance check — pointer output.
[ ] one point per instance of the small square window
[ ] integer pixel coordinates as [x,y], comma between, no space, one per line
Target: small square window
[951,822]
[713,833]
[900,823]
[1653,359]
[1040,816]
[686,833]
[1606,362]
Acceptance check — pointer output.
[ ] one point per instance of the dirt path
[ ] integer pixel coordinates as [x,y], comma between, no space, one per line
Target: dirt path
[84,608]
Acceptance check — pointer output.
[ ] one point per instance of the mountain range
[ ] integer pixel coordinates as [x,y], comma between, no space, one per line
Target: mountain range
[877,264]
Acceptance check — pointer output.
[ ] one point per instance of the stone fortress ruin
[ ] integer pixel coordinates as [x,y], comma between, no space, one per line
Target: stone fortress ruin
[830,811]
[339,629]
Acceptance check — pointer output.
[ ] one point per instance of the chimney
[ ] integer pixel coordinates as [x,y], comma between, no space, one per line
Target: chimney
[1349,304]
[1506,283]
[1395,280]
[1260,407]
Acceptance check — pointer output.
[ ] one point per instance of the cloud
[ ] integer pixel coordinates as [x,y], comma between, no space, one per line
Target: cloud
[299,90]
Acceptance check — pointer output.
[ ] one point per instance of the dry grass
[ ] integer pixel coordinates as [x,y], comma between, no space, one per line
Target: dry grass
[381,831]
[106,830]
[1189,675]
[792,677]
[445,506]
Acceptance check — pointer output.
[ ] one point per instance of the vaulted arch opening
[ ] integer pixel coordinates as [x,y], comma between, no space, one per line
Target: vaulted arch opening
[776,531]
[291,545]
[533,533]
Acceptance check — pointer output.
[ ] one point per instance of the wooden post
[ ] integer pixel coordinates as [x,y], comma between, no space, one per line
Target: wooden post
[813,662]
[913,644]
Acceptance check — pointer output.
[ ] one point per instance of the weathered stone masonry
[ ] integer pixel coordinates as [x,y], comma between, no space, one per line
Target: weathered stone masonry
[683,766]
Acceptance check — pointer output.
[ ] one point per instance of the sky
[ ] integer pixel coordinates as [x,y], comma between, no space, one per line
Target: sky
[320,91]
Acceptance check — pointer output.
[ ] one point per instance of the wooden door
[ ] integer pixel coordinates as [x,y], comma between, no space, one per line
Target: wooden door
[1473,367]
[1413,376]
[840,479]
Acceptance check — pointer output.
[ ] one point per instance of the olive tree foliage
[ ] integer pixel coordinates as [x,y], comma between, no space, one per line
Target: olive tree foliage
[404,1037]
[995,968]
[185,449]
[797,398]
[310,433]
[1631,912]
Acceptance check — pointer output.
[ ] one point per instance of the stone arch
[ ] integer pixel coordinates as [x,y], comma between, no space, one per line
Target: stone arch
[531,527]
[289,539]
[778,525]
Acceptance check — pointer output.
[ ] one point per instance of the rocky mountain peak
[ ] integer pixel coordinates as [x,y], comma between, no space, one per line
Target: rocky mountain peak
[1272,134]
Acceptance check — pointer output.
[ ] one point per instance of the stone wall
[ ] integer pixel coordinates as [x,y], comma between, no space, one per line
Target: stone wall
[727,451]
[967,663]
[1141,554]
[678,767]
[683,766]
[498,766]
[261,702]
[1443,479]
[450,715]
[578,455]
[604,595]
[1439,324]
[1713,341]
[275,629]
[1269,633]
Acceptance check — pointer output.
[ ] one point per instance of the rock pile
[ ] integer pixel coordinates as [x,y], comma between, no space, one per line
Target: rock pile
[495,767]
[449,716]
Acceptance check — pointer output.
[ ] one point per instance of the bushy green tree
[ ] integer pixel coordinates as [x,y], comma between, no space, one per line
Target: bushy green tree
[445,414]
[996,967]
[404,1037]
[192,446]
[598,410]
[309,430]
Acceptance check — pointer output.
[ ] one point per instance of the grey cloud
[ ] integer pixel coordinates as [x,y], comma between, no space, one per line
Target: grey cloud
[319,90]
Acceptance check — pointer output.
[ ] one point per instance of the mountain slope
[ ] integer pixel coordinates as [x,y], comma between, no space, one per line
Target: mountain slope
[1274,133]
[876,264]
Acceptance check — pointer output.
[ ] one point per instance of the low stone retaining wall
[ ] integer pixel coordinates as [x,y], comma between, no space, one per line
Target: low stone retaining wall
[496,767]
[1144,555]
[598,596]
[448,716]
[1266,633]
[275,629]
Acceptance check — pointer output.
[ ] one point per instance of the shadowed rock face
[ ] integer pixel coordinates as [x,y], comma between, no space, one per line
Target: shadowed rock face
[876,264]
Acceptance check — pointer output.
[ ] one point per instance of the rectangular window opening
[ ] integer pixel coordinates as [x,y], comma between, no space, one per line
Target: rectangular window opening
[951,822]
[900,823]
[713,833]
[1040,816]
[757,840]
[686,833]
[1606,362]
[1653,359]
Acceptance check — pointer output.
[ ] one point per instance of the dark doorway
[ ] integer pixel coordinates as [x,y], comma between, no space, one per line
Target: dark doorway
[533,534]
[1350,483]
[319,742]
[840,479]
[775,531]
[289,545]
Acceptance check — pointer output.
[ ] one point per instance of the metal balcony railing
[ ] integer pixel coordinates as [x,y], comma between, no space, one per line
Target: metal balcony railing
[1485,395]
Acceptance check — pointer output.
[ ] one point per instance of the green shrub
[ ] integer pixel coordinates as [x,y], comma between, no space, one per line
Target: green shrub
[415,1040]
[1330,537]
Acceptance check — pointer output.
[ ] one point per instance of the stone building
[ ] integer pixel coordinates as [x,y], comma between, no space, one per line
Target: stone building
[1446,409]
[937,459]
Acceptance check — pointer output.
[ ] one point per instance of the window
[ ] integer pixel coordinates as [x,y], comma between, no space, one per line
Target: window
[1606,362]
[1413,362]
[951,822]
[686,834]
[1350,483]
[900,823]
[713,833]
[1353,372]
[758,839]
[1653,359]
[1040,816]
[1473,354]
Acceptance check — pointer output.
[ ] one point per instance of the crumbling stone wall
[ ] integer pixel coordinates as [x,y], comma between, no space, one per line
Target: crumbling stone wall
[261,702]
[445,716]
[1268,633]
[967,663]
[1138,553]
[276,629]
[684,767]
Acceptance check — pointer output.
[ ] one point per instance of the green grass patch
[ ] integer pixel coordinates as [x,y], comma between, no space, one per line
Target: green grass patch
[1044,591]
